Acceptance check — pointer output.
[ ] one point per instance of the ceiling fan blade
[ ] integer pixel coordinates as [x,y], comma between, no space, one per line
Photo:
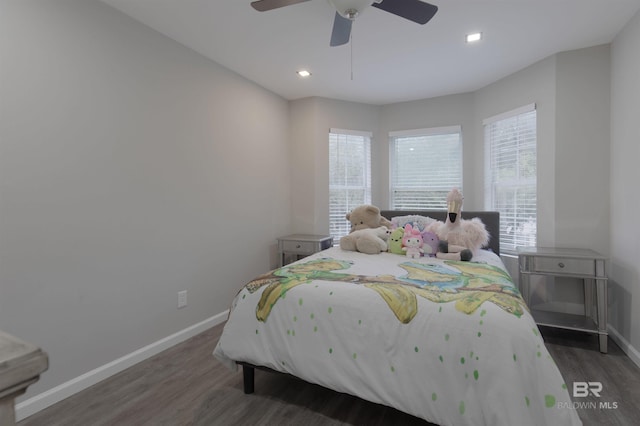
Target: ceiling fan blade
[413,10]
[341,31]
[264,5]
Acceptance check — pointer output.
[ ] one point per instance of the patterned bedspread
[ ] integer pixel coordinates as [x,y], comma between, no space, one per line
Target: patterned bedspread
[450,342]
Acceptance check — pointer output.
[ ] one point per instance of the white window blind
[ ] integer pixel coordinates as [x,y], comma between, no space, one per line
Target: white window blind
[349,177]
[511,175]
[425,165]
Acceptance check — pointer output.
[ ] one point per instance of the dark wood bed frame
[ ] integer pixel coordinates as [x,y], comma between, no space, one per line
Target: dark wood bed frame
[490,219]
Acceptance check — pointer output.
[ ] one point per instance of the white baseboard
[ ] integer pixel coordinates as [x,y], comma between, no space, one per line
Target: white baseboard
[45,399]
[628,349]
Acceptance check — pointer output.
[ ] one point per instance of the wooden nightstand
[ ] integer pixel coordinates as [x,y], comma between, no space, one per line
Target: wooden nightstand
[301,245]
[587,265]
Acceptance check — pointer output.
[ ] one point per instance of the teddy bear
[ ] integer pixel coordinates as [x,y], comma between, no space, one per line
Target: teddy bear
[370,241]
[366,217]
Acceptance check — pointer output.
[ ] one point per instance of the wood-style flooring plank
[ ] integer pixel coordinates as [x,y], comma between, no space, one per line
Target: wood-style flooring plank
[185,385]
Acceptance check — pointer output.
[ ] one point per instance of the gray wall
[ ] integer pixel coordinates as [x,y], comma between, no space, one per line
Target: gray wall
[583,82]
[130,168]
[311,119]
[454,110]
[534,84]
[624,313]
[572,91]
[565,186]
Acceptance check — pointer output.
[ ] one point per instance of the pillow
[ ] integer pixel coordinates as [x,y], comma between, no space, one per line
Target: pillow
[416,221]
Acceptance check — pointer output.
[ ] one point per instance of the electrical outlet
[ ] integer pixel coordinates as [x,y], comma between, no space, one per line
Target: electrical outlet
[182,299]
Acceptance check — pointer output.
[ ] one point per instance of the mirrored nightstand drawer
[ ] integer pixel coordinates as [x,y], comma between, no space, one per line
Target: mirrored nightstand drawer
[302,247]
[564,266]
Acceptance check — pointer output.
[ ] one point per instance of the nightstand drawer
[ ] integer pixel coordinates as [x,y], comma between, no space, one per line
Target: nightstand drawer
[564,266]
[303,247]
[297,246]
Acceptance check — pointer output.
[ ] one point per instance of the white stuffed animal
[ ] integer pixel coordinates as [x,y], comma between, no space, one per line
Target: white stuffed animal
[412,242]
[369,240]
[459,238]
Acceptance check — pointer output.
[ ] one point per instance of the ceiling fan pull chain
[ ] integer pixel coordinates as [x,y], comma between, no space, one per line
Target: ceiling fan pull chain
[351,47]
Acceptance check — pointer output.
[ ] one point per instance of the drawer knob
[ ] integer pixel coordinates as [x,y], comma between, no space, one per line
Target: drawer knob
[298,246]
[561,265]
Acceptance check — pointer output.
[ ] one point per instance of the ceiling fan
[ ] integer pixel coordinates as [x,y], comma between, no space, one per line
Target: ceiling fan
[347,11]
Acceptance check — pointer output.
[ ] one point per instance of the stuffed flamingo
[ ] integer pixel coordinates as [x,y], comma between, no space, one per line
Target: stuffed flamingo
[459,238]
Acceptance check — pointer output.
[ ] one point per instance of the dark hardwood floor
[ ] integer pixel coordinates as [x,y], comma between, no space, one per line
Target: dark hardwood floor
[185,385]
[579,360]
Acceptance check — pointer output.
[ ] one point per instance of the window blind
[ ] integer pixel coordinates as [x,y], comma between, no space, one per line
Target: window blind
[425,165]
[511,175]
[349,177]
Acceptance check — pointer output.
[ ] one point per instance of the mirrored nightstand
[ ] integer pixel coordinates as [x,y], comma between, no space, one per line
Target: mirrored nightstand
[584,264]
[297,246]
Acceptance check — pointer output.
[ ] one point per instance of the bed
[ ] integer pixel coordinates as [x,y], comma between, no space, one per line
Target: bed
[447,341]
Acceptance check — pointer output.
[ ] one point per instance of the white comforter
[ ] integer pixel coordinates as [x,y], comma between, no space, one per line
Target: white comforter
[450,342]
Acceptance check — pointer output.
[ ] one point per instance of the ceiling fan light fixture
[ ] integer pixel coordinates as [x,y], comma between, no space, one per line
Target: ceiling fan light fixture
[473,37]
[350,8]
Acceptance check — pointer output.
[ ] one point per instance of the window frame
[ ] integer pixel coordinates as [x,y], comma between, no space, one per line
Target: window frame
[425,132]
[511,245]
[367,187]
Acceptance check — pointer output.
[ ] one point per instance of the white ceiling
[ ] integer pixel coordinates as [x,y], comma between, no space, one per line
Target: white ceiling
[393,59]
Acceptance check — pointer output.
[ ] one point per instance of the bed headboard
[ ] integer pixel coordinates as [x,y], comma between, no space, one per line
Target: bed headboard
[491,221]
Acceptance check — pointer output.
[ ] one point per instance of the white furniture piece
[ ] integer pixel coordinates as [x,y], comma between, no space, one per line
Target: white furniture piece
[21,364]
[301,245]
[584,264]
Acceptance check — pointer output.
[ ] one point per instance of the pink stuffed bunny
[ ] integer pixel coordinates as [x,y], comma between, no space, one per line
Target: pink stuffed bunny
[412,242]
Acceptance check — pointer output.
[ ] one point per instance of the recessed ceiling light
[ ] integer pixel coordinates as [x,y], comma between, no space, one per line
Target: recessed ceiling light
[303,73]
[474,37]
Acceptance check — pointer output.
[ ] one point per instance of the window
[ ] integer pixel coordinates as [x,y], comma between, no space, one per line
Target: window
[511,173]
[425,165]
[349,177]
